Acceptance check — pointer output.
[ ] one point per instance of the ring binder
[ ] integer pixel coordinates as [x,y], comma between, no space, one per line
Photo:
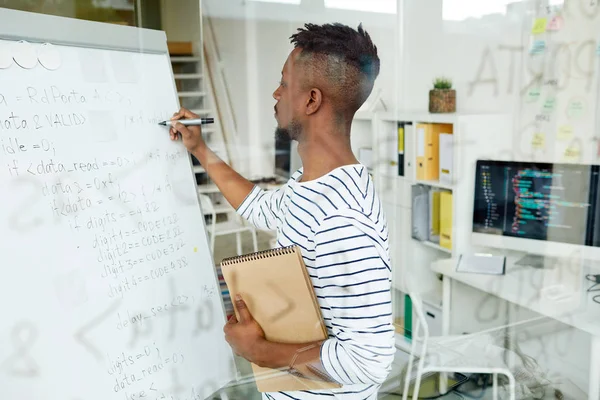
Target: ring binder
[259,255]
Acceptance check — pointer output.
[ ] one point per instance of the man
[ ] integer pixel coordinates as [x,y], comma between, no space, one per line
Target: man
[329,209]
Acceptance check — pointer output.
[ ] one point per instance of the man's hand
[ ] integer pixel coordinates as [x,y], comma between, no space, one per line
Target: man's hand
[245,336]
[234,187]
[191,135]
[247,339]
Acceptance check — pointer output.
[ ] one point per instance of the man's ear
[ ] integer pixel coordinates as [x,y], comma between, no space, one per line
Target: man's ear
[314,101]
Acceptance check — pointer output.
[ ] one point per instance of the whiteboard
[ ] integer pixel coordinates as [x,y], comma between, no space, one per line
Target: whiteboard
[108,288]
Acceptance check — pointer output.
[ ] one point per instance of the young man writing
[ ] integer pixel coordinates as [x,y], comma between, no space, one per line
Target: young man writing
[329,209]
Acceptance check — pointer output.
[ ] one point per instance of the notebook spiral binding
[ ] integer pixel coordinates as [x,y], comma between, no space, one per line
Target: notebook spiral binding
[259,255]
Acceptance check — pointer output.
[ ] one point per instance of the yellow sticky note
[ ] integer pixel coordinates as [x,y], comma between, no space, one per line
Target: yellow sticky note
[572,154]
[565,132]
[539,26]
[195,249]
[538,141]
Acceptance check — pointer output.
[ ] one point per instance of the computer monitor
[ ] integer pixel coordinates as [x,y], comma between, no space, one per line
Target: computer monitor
[538,208]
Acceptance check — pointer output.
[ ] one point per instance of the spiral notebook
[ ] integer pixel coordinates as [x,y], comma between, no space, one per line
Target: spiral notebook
[279,294]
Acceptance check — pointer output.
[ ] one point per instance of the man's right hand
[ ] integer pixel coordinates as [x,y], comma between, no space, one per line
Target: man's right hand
[234,187]
[191,135]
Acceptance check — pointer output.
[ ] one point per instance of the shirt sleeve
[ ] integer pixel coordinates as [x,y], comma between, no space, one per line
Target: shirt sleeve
[353,271]
[261,207]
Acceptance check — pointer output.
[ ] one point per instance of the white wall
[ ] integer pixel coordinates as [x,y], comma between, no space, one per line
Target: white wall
[430,46]
[489,60]
[252,83]
[434,47]
[309,10]
[486,57]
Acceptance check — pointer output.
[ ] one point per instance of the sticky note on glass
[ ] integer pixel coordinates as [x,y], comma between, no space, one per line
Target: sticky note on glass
[565,132]
[572,154]
[555,23]
[539,26]
[576,108]
[538,47]
[533,94]
[538,141]
[549,104]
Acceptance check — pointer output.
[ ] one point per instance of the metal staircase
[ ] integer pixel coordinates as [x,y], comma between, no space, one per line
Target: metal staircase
[192,85]
[201,86]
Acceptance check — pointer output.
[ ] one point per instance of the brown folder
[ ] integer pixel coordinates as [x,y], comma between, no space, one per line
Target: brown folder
[279,294]
[428,150]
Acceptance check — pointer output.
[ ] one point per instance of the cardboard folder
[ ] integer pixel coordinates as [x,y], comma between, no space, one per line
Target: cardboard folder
[446,220]
[428,150]
[279,294]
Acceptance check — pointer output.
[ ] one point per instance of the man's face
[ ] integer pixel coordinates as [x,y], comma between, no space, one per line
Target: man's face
[290,100]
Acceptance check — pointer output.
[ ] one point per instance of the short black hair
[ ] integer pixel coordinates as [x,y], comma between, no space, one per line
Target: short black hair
[345,57]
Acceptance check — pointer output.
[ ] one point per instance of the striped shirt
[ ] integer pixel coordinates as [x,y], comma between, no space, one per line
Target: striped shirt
[338,223]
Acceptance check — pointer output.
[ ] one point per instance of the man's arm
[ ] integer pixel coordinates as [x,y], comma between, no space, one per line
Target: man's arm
[352,267]
[356,286]
[234,187]
[248,340]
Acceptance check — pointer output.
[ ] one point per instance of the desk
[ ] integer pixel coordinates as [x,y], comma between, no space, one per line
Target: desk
[559,293]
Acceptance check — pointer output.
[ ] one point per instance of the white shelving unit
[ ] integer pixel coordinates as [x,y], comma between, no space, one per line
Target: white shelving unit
[474,136]
[435,184]
[436,247]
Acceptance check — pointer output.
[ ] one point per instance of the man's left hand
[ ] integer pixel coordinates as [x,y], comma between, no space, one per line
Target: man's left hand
[244,336]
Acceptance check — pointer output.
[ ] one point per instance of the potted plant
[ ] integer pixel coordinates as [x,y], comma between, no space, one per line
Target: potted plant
[442,99]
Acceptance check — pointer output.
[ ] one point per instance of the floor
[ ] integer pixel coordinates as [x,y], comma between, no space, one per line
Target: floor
[247,391]
[390,390]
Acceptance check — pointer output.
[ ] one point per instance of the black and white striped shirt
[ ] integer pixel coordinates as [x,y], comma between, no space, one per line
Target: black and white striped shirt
[337,221]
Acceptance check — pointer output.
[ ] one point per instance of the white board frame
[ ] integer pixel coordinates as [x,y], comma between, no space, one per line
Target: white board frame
[41,28]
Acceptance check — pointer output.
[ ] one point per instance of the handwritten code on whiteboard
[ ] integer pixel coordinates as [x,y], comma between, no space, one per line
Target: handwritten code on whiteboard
[103,233]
